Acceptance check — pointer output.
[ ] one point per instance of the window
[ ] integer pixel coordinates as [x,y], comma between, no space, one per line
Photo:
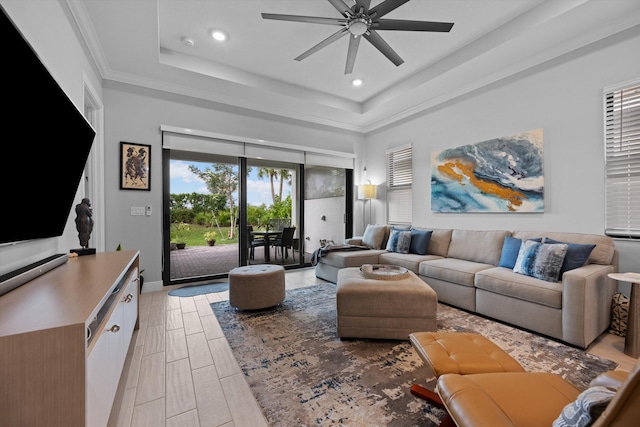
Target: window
[399,180]
[622,152]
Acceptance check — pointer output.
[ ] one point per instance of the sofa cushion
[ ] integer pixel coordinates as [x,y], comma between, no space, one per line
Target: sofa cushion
[479,246]
[453,270]
[342,259]
[408,261]
[439,242]
[504,281]
[374,236]
[577,255]
[420,241]
[540,260]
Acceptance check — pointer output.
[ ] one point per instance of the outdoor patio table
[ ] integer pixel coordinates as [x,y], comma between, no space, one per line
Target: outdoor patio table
[267,245]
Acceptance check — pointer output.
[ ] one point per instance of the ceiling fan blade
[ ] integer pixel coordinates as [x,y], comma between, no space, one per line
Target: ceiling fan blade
[402,25]
[322,44]
[385,7]
[309,19]
[354,42]
[341,7]
[362,4]
[377,41]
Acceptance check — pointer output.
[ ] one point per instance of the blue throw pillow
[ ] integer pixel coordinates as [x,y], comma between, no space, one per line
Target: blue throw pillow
[393,240]
[540,260]
[576,256]
[420,241]
[510,249]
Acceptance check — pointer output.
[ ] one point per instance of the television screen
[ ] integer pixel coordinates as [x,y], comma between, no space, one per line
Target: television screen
[45,142]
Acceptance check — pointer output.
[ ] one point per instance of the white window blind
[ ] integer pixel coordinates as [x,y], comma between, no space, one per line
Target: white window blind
[622,151]
[399,181]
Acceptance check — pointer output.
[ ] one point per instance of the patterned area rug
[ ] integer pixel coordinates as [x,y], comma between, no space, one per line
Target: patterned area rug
[303,375]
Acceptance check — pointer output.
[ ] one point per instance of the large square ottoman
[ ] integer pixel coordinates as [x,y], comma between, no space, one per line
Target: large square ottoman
[383,309]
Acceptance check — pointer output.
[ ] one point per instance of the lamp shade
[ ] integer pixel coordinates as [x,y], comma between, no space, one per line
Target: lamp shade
[369,191]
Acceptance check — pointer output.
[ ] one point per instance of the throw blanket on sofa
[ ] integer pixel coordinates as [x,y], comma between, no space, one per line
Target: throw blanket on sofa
[320,252]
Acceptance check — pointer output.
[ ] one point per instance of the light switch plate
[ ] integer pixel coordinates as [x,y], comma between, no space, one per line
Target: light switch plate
[137,210]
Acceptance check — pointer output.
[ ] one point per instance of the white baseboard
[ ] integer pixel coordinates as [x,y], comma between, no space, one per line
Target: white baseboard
[152,287]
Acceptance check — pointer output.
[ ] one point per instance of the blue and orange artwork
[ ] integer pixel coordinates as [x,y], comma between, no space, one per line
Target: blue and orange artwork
[499,175]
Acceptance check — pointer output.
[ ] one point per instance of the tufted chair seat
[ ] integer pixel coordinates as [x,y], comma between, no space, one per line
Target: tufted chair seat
[523,399]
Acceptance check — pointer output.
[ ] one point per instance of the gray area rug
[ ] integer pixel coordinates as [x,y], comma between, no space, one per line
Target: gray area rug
[302,374]
[190,291]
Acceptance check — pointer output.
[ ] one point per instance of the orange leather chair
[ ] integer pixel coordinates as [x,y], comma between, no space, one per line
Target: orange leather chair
[523,399]
[458,353]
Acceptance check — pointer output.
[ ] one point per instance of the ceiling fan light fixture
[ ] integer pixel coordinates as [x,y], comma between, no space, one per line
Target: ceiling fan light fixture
[219,35]
[358,26]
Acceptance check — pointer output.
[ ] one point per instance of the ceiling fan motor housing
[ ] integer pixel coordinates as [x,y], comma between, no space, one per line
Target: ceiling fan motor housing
[358,26]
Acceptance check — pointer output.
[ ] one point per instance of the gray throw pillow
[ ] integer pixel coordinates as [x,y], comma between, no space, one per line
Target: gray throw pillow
[404,242]
[586,409]
[374,236]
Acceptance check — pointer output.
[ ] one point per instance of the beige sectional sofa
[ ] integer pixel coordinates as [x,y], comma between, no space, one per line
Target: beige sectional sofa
[462,267]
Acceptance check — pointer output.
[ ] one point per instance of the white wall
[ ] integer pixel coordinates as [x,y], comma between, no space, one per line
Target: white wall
[135,115]
[46,26]
[564,97]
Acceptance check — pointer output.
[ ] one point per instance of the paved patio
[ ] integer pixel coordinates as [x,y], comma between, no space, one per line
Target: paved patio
[195,261]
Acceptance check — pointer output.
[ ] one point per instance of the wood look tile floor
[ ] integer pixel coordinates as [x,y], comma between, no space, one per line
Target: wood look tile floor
[180,371]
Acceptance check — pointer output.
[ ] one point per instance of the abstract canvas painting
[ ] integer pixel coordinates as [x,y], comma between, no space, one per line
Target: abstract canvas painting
[499,175]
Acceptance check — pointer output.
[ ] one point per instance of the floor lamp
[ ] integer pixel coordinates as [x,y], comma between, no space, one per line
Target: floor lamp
[367,192]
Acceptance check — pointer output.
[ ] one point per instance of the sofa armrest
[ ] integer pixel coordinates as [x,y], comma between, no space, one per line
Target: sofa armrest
[355,240]
[586,303]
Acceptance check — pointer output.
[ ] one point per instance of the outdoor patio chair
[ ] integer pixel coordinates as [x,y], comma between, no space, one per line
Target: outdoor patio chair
[253,242]
[284,242]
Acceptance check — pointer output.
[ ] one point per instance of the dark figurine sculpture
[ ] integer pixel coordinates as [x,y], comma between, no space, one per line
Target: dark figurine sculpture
[84,222]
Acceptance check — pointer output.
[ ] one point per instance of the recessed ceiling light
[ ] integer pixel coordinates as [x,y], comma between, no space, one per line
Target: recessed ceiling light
[219,35]
[357,82]
[188,41]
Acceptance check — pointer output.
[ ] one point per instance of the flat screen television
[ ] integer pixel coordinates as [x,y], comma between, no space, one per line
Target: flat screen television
[45,142]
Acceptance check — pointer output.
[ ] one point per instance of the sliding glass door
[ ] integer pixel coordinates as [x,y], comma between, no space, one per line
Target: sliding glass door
[201,233]
[273,213]
[327,203]
[228,204]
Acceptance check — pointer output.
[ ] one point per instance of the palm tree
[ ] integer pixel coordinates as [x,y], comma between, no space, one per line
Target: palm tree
[282,174]
[272,174]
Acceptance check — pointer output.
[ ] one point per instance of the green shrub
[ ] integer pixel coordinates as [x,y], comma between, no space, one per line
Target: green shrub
[182,215]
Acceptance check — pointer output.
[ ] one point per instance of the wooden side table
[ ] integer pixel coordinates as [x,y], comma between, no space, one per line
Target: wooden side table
[631,341]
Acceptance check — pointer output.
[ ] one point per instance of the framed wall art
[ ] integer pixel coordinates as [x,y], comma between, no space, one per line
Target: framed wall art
[135,166]
[499,175]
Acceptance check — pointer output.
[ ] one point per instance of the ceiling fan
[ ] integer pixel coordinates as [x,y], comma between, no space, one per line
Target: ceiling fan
[361,20]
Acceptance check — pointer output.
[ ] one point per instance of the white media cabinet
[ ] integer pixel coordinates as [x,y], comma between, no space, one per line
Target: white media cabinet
[64,337]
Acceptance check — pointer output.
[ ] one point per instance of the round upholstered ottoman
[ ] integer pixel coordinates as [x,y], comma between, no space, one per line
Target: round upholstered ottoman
[256,286]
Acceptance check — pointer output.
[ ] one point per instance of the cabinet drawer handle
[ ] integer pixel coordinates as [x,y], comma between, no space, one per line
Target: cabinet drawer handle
[114,328]
[128,298]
